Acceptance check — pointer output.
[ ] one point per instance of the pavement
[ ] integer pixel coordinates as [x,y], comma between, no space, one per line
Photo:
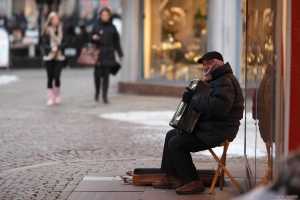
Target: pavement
[49,152]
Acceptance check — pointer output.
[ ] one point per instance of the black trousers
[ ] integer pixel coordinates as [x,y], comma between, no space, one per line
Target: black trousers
[53,68]
[101,73]
[177,159]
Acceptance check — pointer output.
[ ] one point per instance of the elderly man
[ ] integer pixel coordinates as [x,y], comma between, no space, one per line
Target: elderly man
[221,112]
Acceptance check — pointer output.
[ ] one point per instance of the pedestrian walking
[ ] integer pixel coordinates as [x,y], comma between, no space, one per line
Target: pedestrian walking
[105,36]
[83,36]
[53,42]
[3,21]
[21,21]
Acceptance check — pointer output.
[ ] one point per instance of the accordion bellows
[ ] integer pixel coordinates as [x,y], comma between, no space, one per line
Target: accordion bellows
[185,117]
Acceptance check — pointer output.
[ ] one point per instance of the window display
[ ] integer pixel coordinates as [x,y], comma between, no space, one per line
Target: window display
[174,39]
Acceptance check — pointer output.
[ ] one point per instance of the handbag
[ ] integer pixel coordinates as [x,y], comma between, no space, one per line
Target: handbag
[146,176]
[89,56]
[114,70]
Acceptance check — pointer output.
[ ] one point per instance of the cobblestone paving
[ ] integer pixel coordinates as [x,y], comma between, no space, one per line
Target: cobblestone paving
[44,153]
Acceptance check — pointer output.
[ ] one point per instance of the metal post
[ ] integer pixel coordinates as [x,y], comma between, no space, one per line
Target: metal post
[76,18]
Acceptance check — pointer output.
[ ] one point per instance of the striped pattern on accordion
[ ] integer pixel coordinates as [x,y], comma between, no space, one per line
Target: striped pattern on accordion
[185,117]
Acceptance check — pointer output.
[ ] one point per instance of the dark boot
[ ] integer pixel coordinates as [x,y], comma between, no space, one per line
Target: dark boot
[105,99]
[96,97]
[168,182]
[194,187]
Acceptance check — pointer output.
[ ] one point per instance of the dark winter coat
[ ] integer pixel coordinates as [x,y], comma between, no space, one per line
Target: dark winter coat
[108,43]
[224,105]
[262,101]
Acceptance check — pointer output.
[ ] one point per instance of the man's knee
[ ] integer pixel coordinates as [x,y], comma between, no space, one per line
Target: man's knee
[171,133]
[173,144]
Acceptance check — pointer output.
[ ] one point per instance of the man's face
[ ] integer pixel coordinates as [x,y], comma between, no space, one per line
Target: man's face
[207,64]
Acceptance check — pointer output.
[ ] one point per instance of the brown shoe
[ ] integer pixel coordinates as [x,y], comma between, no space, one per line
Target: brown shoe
[168,182]
[194,187]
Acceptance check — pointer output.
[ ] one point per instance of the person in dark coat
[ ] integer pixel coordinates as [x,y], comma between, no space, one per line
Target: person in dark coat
[3,21]
[221,112]
[261,108]
[106,37]
[83,37]
[21,21]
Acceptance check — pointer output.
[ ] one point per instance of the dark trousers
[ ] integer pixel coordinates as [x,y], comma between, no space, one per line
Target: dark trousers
[101,73]
[177,159]
[53,68]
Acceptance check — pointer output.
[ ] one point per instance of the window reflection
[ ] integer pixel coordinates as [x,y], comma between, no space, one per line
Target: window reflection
[259,82]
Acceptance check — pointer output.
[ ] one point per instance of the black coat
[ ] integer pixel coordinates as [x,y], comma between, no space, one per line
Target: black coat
[108,43]
[224,105]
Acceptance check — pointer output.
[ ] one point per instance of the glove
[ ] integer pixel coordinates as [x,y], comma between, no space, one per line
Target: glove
[187,95]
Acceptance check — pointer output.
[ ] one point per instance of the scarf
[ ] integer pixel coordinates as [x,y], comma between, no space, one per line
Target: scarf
[55,40]
[207,75]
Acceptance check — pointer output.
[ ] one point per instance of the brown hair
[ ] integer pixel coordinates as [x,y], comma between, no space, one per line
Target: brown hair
[107,9]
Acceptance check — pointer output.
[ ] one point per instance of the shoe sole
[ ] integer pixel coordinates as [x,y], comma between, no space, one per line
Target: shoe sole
[186,193]
[167,187]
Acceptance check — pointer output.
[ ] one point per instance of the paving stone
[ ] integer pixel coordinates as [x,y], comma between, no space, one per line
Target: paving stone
[106,195]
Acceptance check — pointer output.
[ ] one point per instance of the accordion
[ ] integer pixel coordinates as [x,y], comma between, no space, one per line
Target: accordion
[185,117]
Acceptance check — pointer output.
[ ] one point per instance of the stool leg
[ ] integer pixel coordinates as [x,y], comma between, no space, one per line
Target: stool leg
[266,177]
[226,171]
[223,160]
[232,179]
[212,187]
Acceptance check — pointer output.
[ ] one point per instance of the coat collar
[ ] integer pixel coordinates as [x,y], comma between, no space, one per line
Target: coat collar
[224,69]
[105,23]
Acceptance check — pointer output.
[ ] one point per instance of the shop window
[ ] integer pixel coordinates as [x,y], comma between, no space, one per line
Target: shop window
[174,38]
[260,67]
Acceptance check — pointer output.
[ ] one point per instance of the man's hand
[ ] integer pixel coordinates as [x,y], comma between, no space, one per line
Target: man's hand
[96,37]
[121,58]
[187,95]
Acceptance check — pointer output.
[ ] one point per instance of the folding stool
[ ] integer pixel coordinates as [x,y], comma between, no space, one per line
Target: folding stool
[222,168]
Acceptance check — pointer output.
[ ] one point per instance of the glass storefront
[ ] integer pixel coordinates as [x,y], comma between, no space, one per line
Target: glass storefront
[260,74]
[174,38]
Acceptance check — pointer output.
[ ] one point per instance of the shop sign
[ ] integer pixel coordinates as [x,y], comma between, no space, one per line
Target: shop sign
[4,46]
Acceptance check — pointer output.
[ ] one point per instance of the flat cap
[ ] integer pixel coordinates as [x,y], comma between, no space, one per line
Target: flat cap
[211,55]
